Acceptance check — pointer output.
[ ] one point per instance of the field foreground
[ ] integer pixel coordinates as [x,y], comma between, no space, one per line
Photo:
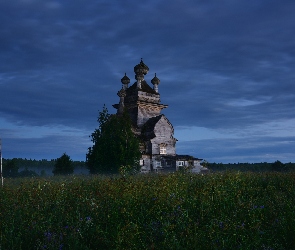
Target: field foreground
[173,211]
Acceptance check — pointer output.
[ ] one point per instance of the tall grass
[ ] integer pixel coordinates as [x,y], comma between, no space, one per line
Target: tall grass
[171,211]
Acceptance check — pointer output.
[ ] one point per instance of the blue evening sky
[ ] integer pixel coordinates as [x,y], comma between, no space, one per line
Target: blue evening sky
[227,71]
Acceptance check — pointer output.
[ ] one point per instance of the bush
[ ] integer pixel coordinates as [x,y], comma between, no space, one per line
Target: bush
[27,173]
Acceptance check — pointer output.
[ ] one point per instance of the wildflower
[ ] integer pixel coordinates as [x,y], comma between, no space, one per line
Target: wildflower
[258,207]
[48,235]
[241,226]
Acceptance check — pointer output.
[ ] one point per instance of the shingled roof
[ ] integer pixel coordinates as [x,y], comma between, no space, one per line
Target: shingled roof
[150,124]
[148,127]
[144,87]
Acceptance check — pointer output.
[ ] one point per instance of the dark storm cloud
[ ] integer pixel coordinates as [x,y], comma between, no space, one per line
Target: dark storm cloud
[225,65]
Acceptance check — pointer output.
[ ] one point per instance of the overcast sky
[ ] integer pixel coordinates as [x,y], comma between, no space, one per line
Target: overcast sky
[227,71]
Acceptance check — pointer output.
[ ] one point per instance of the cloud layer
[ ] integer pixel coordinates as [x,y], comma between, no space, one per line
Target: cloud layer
[226,71]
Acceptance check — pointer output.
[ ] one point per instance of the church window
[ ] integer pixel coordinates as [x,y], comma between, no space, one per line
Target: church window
[162,150]
[157,164]
[181,163]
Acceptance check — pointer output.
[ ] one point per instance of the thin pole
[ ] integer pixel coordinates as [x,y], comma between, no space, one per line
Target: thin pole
[1,162]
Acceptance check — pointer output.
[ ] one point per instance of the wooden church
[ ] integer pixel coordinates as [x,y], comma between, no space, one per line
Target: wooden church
[153,128]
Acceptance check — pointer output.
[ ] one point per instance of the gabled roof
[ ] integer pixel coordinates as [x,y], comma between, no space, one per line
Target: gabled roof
[150,124]
[148,128]
[144,87]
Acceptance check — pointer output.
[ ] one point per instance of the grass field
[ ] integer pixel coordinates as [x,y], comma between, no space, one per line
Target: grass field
[229,210]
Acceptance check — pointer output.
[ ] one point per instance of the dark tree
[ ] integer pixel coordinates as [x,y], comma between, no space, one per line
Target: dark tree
[278,166]
[10,168]
[63,165]
[114,144]
[27,173]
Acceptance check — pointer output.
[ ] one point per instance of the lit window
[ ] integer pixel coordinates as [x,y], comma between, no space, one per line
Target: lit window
[141,162]
[181,163]
[162,150]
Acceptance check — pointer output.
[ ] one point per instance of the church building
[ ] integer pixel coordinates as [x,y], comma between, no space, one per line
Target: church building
[153,128]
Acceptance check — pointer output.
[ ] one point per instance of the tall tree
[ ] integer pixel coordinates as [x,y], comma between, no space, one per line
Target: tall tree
[278,166]
[10,168]
[63,165]
[114,144]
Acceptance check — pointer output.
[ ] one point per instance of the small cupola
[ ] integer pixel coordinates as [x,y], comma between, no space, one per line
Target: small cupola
[155,81]
[125,81]
[140,70]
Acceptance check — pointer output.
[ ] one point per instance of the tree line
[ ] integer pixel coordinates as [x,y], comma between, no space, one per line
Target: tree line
[64,165]
[253,167]
[115,150]
[18,167]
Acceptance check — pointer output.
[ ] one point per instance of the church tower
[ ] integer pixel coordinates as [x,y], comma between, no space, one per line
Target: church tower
[152,128]
[141,101]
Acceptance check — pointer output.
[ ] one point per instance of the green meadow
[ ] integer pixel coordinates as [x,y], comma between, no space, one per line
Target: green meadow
[228,210]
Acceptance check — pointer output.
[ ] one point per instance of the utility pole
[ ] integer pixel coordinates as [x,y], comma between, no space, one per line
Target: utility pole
[1,175]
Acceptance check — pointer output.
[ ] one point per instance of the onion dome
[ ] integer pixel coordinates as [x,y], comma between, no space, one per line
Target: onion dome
[125,79]
[141,68]
[155,80]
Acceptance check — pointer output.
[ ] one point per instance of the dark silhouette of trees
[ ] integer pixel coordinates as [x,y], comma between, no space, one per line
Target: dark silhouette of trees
[278,166]
[10,168]
[63,165]
[27,173]
[114,144]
